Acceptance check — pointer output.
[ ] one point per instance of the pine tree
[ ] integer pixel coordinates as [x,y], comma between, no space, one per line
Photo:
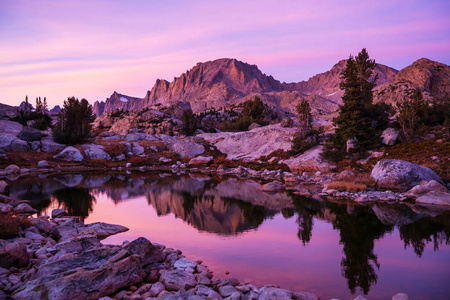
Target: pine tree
[305,116]
[413,115]
[356,117]
[74,122]
[44,106]
[26,105]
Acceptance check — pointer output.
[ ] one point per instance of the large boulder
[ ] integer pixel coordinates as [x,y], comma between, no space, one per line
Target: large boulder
[94,151]
[186,149]
[401,175]
[84,282]
[389,136]
[48,145]
[12,255]
[30,134]
[19,145]
[69,154]
[310,160]
[251,145]
[9,132]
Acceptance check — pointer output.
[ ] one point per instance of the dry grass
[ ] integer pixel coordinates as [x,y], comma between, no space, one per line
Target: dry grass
[346,186]
[115,149]
[358,183]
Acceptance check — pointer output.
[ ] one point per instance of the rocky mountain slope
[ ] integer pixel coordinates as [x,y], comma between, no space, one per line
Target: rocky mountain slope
[224,82]
[430,77]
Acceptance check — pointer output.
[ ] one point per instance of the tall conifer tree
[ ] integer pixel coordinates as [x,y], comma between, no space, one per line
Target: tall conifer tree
[356,117]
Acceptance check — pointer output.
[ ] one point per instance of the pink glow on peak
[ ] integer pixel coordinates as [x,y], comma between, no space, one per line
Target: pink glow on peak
[91,48]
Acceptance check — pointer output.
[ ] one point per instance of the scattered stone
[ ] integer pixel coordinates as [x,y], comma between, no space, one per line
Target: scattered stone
[94,151]
[351,145]
[69,154]
[400,296]
[389,136]
[43,164]
[25,209]
[269,293]
[19,145]
[227,290]
[435,198]
[4,188]
[176,280]
[200,160]
[137,149]
[30,134]
[270,187]
[165,159]
[422,189]
[186,149]
[128,165]
[48,145]
[346,175]
[12,169]
[185,265]
[12,255]
[286,122]
[58,212]
[253,126]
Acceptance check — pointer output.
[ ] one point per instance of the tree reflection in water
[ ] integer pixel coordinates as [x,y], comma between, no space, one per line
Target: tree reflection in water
[307,209]
[76,201]
[425,230]
[359,227]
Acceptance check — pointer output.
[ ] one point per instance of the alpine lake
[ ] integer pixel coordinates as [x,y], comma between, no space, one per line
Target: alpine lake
[335,249]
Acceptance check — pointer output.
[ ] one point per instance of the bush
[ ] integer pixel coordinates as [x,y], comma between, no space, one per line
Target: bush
[138,161]
[116,149]
[40,124]
[253,112]
[334,155]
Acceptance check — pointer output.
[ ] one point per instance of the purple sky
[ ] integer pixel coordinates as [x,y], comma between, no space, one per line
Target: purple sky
[90,48]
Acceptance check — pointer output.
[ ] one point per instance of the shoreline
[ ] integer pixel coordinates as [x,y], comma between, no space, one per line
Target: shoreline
[66,260]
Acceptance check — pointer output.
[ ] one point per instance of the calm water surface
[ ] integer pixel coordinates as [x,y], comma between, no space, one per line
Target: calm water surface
[331,249]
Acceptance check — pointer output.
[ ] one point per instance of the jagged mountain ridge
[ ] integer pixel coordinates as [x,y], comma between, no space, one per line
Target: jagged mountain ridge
[224,82]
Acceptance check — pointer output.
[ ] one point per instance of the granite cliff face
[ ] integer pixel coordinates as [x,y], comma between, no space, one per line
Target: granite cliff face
[224,82]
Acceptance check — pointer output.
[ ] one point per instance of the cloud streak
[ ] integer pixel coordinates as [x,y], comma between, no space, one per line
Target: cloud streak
[49,46]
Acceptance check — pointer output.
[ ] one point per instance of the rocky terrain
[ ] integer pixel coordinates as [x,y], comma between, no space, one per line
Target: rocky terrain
[225,82]
[430,77]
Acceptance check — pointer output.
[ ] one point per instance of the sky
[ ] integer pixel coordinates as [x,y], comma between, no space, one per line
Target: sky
[89,49]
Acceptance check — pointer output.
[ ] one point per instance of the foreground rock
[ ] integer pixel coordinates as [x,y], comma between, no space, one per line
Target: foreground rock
[401,175]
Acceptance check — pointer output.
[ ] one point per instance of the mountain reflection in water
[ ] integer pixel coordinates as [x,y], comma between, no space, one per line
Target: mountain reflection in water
[231,207]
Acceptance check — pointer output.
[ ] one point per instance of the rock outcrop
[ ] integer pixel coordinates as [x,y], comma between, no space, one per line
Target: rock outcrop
[401,175]
[430,77]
